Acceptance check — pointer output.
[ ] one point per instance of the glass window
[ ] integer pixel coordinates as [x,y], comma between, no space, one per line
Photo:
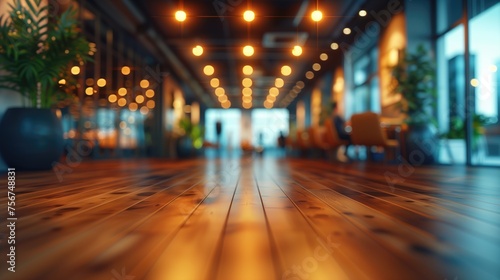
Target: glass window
[230,120]
[484,42]
[267,125]
[449,13]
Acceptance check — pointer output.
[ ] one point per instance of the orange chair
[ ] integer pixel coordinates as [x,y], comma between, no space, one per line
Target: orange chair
[366,131]
[332,138]
[302,142]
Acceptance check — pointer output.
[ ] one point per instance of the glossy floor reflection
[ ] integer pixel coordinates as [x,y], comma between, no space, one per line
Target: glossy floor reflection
[256,218]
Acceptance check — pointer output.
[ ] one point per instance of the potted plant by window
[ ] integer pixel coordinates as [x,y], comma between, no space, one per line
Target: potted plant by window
[414,79]
[37,50]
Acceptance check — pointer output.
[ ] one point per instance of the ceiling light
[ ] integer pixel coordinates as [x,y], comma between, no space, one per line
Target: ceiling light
[125,70]
[247,99]
[271,98]
[219,91]
[144,110]
[150,93]
[246,91]
[279,83]
[247,70]
[75,70]
[309,75]
[122,102]
[226,104]
[139,99]
[300,84]
[286,70]
[180,16]
[323,57]
[198,50]
[317,15]
[214,82]
[247,105]
[274,91]
[248,50]
[334,46]
[222,98]
[247,82]
[268,105]
[101,82]
[347,31]
[62,81]
[208,70]
[316,67]
[112,98]
[151,104]
[297,50]
[133,107]
[362,13]
[248,15]
[144,83]
[122,91]
[474,82]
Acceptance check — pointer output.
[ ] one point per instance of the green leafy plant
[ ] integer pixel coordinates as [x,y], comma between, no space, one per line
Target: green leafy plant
[193,131]
[457,128]
[414,79]
[37,49]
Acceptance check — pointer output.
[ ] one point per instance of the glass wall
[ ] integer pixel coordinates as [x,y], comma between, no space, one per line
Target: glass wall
[473,93]
[267,125]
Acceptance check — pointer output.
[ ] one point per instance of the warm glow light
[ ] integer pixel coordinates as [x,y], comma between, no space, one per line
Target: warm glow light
[334,46]
[144,110]
[317,15]
[248,50]
[268,105]
[274,91]
[62,81]
[247,105]
[347,31]
[144,83]
[75,70]
[309,75]
[112,98]
[89,91]
[101,82]
[248,15]
[279,83]
[222,98]
[247,91]
[139,99]
[247,99]
[150,93]
[362,13]
[125,70]
[198,50]
[89,82]
[214,82]
[474,82]
[297,50]
[271,98]
[226,104]
[323,57]
[316,67]
[122,91]
[300,84]
[180,16]
[208,70]
[150,104]
[286,70]
[133,107]
[122,102]
[247,70]
[247,82]
[493,68]
[219,91]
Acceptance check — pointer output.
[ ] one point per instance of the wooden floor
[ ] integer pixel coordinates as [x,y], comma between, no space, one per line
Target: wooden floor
[254,219]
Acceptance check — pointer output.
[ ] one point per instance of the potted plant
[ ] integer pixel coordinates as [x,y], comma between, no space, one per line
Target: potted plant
[37,49]
[191,139]
[414,79]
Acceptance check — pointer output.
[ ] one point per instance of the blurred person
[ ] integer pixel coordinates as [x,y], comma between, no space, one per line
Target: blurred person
[339,123]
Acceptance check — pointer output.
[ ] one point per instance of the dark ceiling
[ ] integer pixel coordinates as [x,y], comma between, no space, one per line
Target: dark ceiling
[218,26]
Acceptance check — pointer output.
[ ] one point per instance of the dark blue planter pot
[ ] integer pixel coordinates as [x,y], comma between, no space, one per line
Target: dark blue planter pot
[422,145]
[32,139]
